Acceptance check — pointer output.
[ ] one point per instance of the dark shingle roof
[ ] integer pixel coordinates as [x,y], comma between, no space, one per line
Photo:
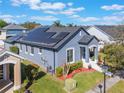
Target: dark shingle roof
[13,26]
[111,30]
[47,37]
[86,39]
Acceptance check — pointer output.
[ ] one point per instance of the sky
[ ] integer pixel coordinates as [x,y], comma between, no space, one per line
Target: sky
[80,12]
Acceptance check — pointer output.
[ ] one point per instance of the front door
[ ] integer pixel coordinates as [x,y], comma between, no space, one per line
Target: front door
[82,53]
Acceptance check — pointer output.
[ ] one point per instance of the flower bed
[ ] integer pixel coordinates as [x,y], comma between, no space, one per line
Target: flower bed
[75,72]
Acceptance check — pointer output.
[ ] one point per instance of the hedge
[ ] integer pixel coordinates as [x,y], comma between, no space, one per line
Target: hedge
[14,49]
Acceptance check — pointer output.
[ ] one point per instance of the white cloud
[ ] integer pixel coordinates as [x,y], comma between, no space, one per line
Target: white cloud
[88,19]
[11,18]
[69,11]
[44,18]
[113,18]
[0,1]
[54,6]
[119,13]
[70,4]
[38,4]
[113,7]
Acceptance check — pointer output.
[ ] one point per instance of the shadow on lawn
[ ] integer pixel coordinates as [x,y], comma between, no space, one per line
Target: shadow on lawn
[40,75]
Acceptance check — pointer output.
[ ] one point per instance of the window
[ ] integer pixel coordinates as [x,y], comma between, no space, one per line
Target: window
[26,48]
[70,55]
[40,50]
[20,46]
[32,50]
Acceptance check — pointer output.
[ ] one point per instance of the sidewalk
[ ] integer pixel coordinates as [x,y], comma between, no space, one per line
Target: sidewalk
[109,83]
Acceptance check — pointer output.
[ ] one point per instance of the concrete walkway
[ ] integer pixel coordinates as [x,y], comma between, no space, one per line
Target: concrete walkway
[109,83]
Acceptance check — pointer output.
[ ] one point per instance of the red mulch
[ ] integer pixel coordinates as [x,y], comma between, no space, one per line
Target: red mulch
[75,72]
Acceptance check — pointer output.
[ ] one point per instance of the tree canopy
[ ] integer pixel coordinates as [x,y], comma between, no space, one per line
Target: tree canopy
[30,25]
[3,23]
[115,55]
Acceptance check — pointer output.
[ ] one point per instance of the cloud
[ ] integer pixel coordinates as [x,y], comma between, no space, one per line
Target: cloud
[40,5]
[83,19]
[113,18]
[113,7]
[11,18]
[44,18]
[69,11]
[70,4]
[0,1]
[119,13]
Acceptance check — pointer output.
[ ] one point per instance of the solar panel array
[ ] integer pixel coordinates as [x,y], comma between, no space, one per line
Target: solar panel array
[41,36]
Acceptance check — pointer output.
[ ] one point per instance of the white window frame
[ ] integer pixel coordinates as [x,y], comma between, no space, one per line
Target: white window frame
[20,47]
[31,51]
[73,55]
[40,51]
[26,49]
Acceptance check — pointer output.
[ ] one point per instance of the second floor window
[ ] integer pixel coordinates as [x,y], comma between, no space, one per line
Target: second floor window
[40,50]
[20,46]
[26,48]
[32,50]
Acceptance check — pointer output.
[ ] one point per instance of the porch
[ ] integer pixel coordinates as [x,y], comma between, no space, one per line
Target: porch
[89,52]
[7,58]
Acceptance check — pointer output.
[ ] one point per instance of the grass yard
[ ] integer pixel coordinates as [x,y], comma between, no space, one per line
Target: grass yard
[86,81]
[117,88]
[47,83]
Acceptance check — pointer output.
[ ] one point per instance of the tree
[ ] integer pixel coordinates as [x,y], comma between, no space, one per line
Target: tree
[3,23]
[70,25]
[115,55]
[57,23]
[30,25]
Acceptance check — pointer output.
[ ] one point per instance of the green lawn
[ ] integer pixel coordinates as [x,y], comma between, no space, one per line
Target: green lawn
[47,83]
[86,81]
[117,88]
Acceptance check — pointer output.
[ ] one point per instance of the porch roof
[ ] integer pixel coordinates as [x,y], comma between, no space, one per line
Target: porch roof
[86,39]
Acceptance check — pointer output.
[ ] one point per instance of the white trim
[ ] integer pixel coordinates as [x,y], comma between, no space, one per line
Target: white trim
[93,46]
[7,62]
[31,54]
[73,54]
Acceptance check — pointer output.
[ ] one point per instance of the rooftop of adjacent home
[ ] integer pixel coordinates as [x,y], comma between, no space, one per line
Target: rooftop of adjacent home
[14,26]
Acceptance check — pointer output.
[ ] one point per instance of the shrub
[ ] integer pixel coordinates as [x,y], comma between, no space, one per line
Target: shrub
[59,71]
[14,49]
[75,66]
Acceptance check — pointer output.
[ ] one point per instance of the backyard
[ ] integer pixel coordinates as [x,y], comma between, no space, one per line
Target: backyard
[46,83]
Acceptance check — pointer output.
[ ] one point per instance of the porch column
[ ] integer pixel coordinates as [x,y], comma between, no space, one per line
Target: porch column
[17,76]
[96,54]
[87,54]
[6,72]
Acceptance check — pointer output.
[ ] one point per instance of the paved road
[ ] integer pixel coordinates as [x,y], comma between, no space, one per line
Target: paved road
[109,83]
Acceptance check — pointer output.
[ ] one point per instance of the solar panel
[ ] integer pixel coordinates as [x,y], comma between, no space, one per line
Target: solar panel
[61,35]
[14,38]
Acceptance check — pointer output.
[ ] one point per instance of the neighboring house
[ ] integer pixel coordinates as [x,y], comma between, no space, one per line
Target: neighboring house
[56,46]
[9,31]
[105,34]
[14,29]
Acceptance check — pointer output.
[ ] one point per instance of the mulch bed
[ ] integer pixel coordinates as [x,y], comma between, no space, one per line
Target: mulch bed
[75,72]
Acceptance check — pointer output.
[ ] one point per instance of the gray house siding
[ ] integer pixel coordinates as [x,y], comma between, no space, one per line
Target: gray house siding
[73,43]
[46,58]
[51,58]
